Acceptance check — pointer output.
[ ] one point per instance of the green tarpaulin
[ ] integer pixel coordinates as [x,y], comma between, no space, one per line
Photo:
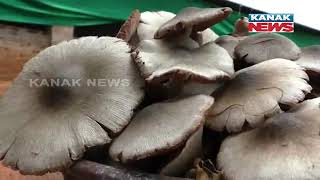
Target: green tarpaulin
[93,12]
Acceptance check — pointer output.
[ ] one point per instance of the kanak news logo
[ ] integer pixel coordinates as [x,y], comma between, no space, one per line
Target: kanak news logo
[271,23]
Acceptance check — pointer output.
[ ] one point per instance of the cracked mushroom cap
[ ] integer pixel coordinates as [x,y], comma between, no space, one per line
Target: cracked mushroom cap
[158,59]
[265,46]
[255,92]
[160,128]
[310,58]
[45,126]
[286,147]
[193,18]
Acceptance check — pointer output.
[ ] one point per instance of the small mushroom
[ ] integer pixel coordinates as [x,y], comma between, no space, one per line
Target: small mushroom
[47,125]
[163,128]
[310,59]
[255,92]
[194,19]
[264,46]
[286,147]
[129,28]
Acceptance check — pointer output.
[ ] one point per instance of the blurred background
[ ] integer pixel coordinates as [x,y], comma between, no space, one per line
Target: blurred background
[29,26]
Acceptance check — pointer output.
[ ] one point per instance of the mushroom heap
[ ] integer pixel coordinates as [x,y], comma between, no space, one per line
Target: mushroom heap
[151,95]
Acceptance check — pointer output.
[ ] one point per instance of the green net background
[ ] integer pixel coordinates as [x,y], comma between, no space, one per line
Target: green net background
[93,12]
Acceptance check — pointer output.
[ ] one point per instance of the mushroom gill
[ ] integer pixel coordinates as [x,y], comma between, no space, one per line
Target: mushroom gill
[285,147]
[46,127]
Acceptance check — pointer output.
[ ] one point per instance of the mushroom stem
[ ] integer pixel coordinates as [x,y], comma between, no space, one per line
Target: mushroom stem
[94,171]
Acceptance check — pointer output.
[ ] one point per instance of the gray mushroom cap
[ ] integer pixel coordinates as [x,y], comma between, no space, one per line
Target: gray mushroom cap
[160,128]
[265,46]
[228,43]
[47,127]
[159,58]
[310,58]
[151,21]
[255,92]
[286,147]
[195,19]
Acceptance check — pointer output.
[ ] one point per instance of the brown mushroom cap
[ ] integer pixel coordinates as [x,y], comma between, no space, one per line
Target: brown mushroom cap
[160,128]
[264,46]
[129,28]
[47,127]
[159,58]
[255,92]
[310,58]
[286,147]
[196,19]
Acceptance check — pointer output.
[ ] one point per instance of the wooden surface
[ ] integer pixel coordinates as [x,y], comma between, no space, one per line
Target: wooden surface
[18,45]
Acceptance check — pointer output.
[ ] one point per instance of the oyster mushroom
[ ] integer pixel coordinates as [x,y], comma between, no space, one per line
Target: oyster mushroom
[45,126]
[255,92]
[286,147]
[129,28]
[152,21]
[163,128]
[229,42]
[161,59]
[310,59]
[264,46]
[194,19]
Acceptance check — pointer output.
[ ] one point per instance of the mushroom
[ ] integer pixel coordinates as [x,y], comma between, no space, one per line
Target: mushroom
[47,125]
[193,19]
[264,46]
[255,92]
[129,28]
[158,60]
[285,147]
[152,21]
[229,42]
[163,128]
[310,59]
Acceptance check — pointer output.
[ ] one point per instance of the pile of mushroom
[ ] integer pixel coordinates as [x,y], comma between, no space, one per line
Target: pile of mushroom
[170,80]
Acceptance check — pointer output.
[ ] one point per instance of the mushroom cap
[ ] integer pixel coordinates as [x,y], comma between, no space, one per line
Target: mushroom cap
[310,58]
[47,127]
[160,128]
[286,147]
[184,160]
[196,19]
[228,43]
[129,28]
[150,23]
[265,46]
[159,58]
[255,92]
